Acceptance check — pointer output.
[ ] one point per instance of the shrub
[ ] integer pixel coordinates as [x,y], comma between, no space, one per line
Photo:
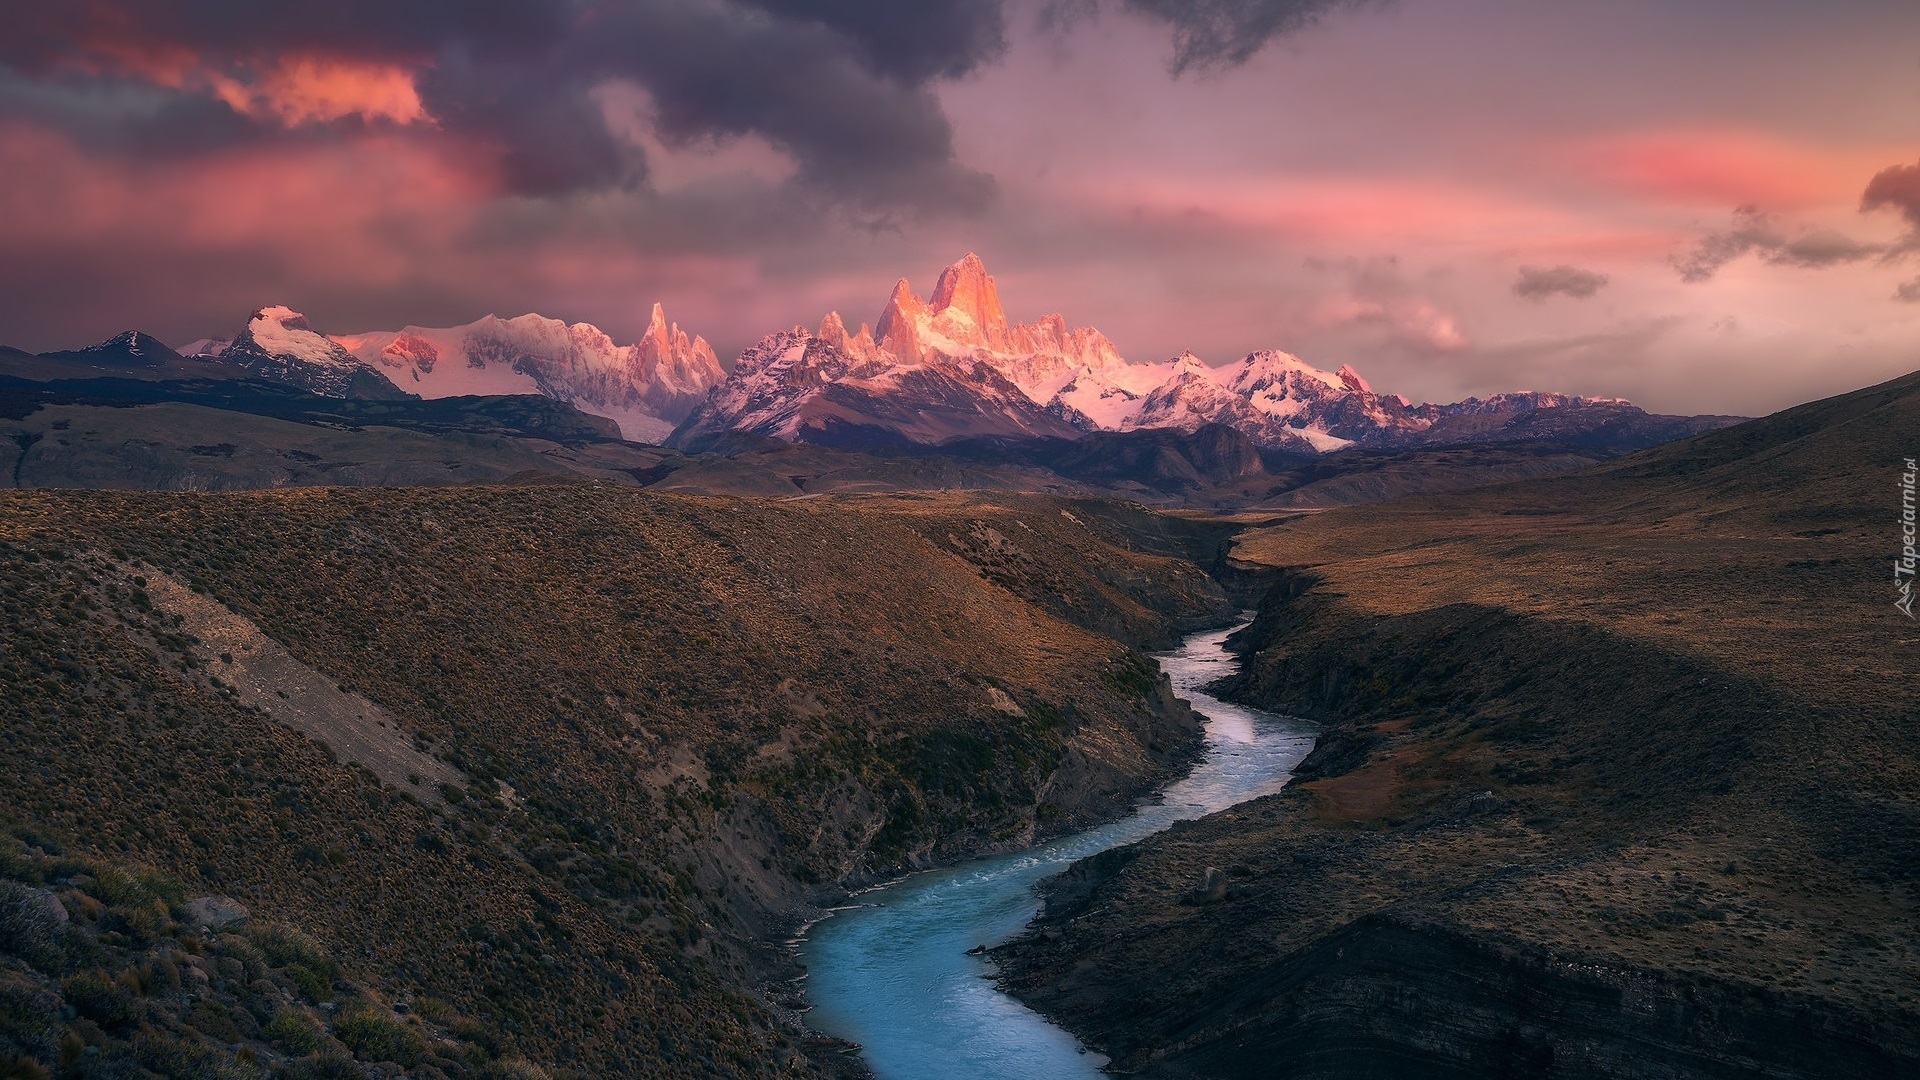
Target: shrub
[283,946]
[29,927]
[99,997]
[313,985]
[375,1036]
[323,1068]
[29,1020]
[134,887]
[295,1031]
[176,1057]
[16,1067]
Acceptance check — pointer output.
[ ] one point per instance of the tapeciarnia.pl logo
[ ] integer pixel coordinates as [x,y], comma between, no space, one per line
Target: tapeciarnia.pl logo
[1903,566]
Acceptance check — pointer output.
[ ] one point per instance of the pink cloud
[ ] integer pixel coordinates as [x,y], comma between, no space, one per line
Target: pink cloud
[363,232]
[319,201]
[1349,211]
[289,88]
[296,90]
[1723,168]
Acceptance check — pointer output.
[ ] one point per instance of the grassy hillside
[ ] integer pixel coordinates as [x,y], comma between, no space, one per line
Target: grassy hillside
[672,723]
[1620,777]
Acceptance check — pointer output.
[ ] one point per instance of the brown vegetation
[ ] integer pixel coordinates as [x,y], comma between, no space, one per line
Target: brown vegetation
[681,719]
[1620,776]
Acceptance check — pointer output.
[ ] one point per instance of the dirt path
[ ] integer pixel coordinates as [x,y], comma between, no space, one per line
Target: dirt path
[265,675]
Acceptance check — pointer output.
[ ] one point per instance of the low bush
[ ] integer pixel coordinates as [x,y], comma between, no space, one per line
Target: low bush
[374,1036]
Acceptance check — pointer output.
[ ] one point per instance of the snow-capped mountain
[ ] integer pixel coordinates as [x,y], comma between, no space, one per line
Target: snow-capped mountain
[802,387]
[206,348]
[930,371]
[131,348]
[278,344]
[1074,372]
[1195,395]
[646,387]
[926,372]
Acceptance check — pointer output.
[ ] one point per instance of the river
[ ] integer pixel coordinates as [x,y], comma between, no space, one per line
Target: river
[892,971]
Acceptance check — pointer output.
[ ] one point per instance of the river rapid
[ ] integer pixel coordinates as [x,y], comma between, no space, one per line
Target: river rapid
[892,972]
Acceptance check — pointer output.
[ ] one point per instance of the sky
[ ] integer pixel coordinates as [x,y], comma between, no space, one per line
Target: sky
[1710,206]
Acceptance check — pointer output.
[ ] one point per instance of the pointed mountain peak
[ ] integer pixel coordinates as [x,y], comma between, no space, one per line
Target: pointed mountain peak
[127,347]
[966,287]
[283,316]
[135,343]
[658,340]
[833,331]
[1188,362]
[1353,380]
[1273,367]
[897,332]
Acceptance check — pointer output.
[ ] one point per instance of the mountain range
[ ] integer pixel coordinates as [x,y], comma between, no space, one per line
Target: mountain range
[953,367]
[948,370]
[645,387]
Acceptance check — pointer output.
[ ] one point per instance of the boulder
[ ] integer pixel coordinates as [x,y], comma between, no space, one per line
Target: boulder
[215,912]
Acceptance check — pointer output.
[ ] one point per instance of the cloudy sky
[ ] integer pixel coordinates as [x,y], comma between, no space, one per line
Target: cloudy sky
[1710,206]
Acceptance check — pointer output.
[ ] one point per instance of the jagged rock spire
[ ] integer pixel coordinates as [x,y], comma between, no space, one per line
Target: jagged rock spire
[967,288]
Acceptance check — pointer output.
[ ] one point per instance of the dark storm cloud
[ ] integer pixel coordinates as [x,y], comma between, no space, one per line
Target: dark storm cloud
[118,115]
[1897,187]
[908,41]
[1226,33]
[1539,283]
[812,91]
[1754,231]
[41,36]
[842,86]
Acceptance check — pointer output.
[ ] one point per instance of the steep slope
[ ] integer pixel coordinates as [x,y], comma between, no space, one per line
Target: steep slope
[279,345]
[1618,778]
[682,720]
[646,387]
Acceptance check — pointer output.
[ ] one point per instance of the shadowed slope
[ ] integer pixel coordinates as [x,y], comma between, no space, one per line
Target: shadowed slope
[1620,778]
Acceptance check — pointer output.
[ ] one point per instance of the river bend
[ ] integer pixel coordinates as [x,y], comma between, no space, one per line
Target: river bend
[892,973]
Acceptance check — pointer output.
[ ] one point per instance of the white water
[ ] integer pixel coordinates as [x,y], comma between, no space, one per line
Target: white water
[892,974]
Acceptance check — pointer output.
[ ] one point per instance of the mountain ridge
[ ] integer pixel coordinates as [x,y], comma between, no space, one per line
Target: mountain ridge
[926,372]
[1076,376]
